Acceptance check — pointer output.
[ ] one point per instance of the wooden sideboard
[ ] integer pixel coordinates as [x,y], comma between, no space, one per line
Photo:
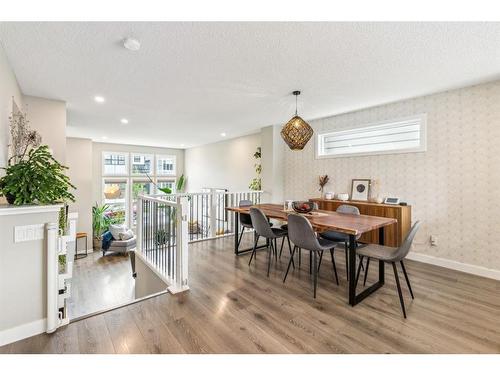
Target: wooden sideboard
[393,235]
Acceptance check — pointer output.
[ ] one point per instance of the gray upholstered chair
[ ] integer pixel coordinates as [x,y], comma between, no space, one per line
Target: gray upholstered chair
[392,255]
[263,229]
[245,219]
[303,236]
[342,237]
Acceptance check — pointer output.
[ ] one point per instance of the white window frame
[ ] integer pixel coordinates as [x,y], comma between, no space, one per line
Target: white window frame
[131,196]
[127,164]
[421,148]
[164,156]
[144,155]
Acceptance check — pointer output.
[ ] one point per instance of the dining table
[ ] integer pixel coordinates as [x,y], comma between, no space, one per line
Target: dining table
[322,221]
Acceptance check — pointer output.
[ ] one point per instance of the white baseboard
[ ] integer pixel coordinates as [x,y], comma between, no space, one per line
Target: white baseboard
[454,265]
[23,331]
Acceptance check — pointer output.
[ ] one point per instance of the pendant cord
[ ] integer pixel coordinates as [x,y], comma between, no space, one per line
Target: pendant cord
[296,105]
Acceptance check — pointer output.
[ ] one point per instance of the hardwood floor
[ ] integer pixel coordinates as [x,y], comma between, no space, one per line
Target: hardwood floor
[99,283]
[233,308]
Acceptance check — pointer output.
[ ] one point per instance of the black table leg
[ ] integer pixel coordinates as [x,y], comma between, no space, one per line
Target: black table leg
[236,230]
[352,270]
[381,264]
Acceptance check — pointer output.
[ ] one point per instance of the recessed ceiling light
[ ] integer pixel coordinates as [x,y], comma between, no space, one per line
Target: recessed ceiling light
[124,121]
[99,99]
[104,137]
[222,134]
[182,144]
[131,44]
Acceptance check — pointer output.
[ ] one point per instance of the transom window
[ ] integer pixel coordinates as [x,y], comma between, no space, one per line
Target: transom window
[389,137]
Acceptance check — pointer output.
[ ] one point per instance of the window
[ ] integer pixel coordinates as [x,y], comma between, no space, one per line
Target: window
[115,195]
[115,164]
[142,164]
[165,184]
[124,180]
[139,188]
[165,165]
[389,137]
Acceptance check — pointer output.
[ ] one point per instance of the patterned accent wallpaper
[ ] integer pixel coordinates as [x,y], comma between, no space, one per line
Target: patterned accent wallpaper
[453,187]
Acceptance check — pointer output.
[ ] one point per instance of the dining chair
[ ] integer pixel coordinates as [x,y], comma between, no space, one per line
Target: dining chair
[263,228]
[342,237]
[285,226]
[245,219]
[392,255]
[302,234]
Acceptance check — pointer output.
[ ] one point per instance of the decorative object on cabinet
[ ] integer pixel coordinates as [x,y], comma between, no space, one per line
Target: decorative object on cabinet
[323,180]
[342,196]
[393,234]
[329,195]
[296,132]
[360,189]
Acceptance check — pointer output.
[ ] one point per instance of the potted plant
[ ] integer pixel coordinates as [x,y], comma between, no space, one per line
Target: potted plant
[100,223]
[36,179]
[256,183]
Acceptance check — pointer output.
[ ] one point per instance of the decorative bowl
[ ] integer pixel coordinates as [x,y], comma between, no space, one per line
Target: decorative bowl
[343,196]
[302,207]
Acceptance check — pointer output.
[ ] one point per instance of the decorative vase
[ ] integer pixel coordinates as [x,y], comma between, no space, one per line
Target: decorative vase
[329,195]
[343,196]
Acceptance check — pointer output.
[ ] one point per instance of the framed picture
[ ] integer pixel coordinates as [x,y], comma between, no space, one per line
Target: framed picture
[360,190]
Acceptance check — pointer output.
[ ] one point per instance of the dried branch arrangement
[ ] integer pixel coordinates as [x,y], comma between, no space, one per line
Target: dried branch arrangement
[23,138]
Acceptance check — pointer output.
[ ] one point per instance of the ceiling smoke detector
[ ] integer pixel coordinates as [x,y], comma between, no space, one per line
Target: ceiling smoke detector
[131,44]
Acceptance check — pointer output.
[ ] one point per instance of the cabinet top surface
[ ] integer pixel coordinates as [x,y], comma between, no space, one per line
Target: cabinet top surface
[359,202]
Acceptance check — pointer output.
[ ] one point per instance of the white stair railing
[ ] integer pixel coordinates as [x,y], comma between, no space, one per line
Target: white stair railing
[162,239]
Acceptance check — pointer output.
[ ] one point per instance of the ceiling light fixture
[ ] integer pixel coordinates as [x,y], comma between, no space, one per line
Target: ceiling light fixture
[124,121]
[131,44]
[99,99]
[296,132]
[104,137]
[222,134]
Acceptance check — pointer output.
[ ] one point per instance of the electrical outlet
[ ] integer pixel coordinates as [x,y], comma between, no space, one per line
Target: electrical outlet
[434,240]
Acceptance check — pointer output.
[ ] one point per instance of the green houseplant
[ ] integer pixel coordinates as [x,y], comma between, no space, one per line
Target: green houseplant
[256,183]
[36,179]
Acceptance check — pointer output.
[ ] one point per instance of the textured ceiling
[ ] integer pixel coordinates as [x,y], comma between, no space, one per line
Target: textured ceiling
[191,81]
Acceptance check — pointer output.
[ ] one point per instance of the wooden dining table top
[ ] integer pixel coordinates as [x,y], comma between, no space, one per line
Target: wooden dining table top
[325,220]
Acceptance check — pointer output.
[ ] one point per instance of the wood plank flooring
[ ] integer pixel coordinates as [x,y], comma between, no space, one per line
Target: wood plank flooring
[233,308]
[100,283]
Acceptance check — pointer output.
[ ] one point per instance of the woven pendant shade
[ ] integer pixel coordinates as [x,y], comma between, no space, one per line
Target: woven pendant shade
[296,133]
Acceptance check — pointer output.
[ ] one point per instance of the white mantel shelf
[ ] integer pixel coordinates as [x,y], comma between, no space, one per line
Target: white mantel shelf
[7,209]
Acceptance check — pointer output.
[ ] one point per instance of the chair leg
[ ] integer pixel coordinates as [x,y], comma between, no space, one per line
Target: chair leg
[289,263]
[320,259]
[315,271]
[300,257]
[346,260]
[310,262]
[407,279]
[399,289]
[366,270]
[290,249]
[254,251]
[269,256]
[359,271]
[282,243]
[334,266]
[276,250]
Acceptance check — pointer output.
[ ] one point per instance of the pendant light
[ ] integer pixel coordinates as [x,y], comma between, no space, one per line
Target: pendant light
[296,133]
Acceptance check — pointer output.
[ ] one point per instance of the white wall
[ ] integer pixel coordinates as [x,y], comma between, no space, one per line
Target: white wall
[273,156]
[48,117]
[9,89]
[227,164]
[453,187]
[78,159]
